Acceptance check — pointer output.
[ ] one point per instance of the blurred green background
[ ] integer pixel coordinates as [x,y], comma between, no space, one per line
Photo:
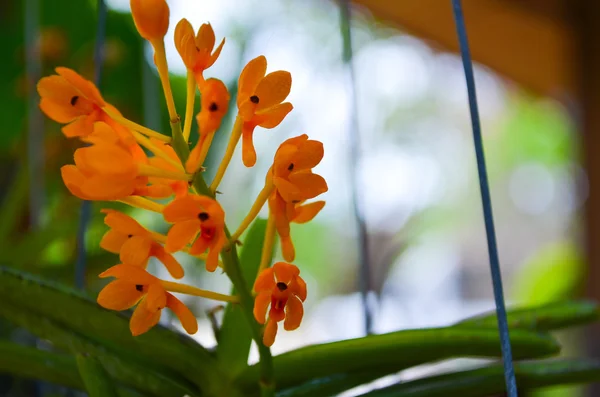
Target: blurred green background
[417,175]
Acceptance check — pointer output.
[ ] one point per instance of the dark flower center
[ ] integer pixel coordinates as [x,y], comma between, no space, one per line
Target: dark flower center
[139,287]
[291,167]
[282,286]
[254,99]
[213,107]
[74,100]
[203,216]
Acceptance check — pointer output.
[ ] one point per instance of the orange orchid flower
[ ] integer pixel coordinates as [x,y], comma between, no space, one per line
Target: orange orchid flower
[134,285]
[215,102]
[281,288]
[110,170]
[292,169]
[259,102]
[286,213]
[68,98]
[196,50]
[151,18]
[134,243]
[196,216]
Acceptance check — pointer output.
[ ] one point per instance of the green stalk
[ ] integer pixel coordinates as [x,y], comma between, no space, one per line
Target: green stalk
[232,268]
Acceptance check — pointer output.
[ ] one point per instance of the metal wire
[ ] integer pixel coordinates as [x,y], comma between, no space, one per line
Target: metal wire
[486,201]
[86,206]
[355,160]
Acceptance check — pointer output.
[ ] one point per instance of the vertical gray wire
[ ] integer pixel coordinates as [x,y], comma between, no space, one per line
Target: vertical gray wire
[486,202]
[86,206]
[355,161]
[35,121]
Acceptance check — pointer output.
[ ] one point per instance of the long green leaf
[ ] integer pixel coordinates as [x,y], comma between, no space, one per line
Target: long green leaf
[70,310]
[330,385]
[490,380]
[396,351]
[31,363]
[235,336]
[97,382]
[148,377]
[548,317]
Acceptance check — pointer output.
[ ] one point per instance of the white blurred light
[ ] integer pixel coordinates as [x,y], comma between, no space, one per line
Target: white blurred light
[532,188]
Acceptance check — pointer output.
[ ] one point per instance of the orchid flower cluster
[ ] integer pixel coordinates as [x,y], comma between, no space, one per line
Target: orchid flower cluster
[121,160]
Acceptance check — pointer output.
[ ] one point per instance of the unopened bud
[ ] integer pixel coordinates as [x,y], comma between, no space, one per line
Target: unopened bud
[151,18]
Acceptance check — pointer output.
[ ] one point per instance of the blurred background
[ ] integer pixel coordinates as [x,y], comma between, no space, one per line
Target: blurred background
[538,89]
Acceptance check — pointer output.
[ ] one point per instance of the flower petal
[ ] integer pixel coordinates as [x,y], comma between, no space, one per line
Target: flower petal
[185,315]
[205,39]
[212,259]
[261,304]
[285,272]
[273,89]
[298,288]
[86,87]
[287,248]
[57,112]
[184,208]
[307,212]
[136,251]
[133,274]
[215,55]
[173,266]
[248,151]
[181,234]
[112,241]
[143,319]
[294,311]
[270,333]
[251,75]
[273,116]
[265,281]
[310,185]
[156,299]
[123,223]
[310,153]
[288,190]
[119,295]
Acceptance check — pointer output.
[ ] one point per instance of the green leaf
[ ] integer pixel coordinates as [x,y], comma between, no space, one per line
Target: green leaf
[548,317]
[396,351]
[72,311]
[490,380]
[96,380]
[235,336]
[330,385]
[149,377]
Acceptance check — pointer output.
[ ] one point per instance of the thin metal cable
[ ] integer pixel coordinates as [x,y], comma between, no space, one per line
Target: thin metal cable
[86,206]
[355,160]
[486,201]
[35,121]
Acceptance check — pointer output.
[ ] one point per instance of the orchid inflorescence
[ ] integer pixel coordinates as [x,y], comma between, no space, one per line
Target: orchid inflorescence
[113,165]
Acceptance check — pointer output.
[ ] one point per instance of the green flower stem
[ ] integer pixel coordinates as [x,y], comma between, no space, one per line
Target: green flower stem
[232,268]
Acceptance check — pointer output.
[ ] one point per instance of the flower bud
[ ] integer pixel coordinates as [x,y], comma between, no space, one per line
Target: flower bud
[151,18]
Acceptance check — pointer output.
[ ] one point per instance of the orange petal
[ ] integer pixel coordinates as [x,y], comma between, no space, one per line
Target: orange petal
[185,43]
[248,151]
[119,295]
[212,259]
[181,234]
[86,87]
[273,89]
[287,248]
[265,281]
[73,180]
[136,251]
[192,164]
[310,153]
[215,55]
[151,18]
[106,188]
[288,190]
[261,304]
[112,241]
[123,223]
[294,311]
[172,265]
[285,272]
[251,75]
[143,319]
[82,126]
[133,274]
[278,208]
[107,160]
[270,333]
[205,39]
[186,317]
[298,288]
[307,212]
[185,208]
[156,299]
[310,185]
[273,116]
[157,190]
[55,111]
